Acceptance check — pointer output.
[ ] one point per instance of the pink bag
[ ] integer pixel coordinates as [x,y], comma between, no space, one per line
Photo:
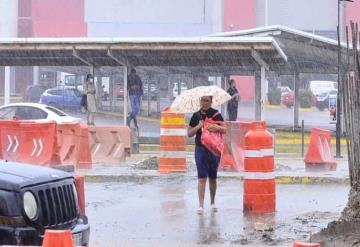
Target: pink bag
[213,141]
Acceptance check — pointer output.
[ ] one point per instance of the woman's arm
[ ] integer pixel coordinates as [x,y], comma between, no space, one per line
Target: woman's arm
[85,88]
[192,130]
[220,127]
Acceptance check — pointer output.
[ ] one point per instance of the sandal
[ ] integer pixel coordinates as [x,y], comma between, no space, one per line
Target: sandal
[213,208]
[200,210]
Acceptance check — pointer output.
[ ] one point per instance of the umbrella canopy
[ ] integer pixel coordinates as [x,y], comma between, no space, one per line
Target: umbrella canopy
[189,100]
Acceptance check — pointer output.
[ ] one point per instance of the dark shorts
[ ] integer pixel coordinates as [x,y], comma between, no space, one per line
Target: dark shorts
[206,163]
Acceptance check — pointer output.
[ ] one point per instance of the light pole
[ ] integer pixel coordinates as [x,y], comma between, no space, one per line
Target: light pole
[266,13]
[339,98]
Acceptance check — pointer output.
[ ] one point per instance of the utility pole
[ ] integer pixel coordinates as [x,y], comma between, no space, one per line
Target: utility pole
[340,86]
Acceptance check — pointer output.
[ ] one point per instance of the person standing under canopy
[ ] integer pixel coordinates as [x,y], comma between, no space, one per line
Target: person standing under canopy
[232,105]
[135,90]
[90,92]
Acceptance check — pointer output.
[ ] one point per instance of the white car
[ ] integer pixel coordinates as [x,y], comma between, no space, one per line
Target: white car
[35,112]
[183,87]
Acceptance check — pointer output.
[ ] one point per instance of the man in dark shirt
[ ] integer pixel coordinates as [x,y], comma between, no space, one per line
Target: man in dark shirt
[206,162]
[232,106]
[135,89]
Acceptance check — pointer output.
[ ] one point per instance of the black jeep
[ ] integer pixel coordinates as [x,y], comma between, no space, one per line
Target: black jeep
[33,199]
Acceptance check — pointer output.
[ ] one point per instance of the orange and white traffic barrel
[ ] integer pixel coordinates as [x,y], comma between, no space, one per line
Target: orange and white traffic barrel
[259,177]
[172,142]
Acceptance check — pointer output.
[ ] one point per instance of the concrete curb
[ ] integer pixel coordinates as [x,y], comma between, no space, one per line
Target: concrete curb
[133,178]
[280,149]
[142,118]
[268,106]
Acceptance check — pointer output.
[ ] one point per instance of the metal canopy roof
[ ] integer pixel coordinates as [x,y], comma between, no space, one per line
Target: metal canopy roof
[306,52]
[243,54]
[277,48]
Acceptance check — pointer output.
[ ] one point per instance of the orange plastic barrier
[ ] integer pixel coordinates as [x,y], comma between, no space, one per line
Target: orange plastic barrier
[58,238]
[80,188]
[302,244]
[319,154]
[73,143]
[68,139]
[172,142]
[38,144]
[259,177]
[45,143]
[109,144]
[10,139]
[84,160]
[232,157]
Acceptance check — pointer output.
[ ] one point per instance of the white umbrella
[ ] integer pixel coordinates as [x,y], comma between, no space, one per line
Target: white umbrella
[189,100]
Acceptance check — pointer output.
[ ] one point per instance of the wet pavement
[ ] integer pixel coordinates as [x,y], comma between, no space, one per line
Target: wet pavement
[131,204]
[287,170]
[162,212]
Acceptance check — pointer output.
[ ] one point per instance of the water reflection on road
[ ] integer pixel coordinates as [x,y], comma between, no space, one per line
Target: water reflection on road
[164,213]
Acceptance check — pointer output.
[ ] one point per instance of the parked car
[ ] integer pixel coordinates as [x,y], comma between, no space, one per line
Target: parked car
[154,91]
[34,199]
[287,96]
[288,99]
[34,92]
[183,87]
[284,90]
[35,112]
[62,97]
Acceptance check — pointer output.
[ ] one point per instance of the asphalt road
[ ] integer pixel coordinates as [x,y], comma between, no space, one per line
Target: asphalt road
[163,213]
[275,117]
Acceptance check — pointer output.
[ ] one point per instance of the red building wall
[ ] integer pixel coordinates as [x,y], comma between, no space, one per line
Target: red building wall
[352,13]
[48,18]
[238,15]
[44,18]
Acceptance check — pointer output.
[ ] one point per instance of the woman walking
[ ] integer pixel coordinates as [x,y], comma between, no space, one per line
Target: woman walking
[206,162]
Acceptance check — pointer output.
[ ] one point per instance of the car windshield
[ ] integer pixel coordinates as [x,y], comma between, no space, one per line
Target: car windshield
[56,111]
[323,94]
[322,86]
[285,89]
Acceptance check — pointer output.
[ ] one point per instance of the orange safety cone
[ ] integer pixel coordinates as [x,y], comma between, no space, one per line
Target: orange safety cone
[319,155]
[58,238]
[302,244]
